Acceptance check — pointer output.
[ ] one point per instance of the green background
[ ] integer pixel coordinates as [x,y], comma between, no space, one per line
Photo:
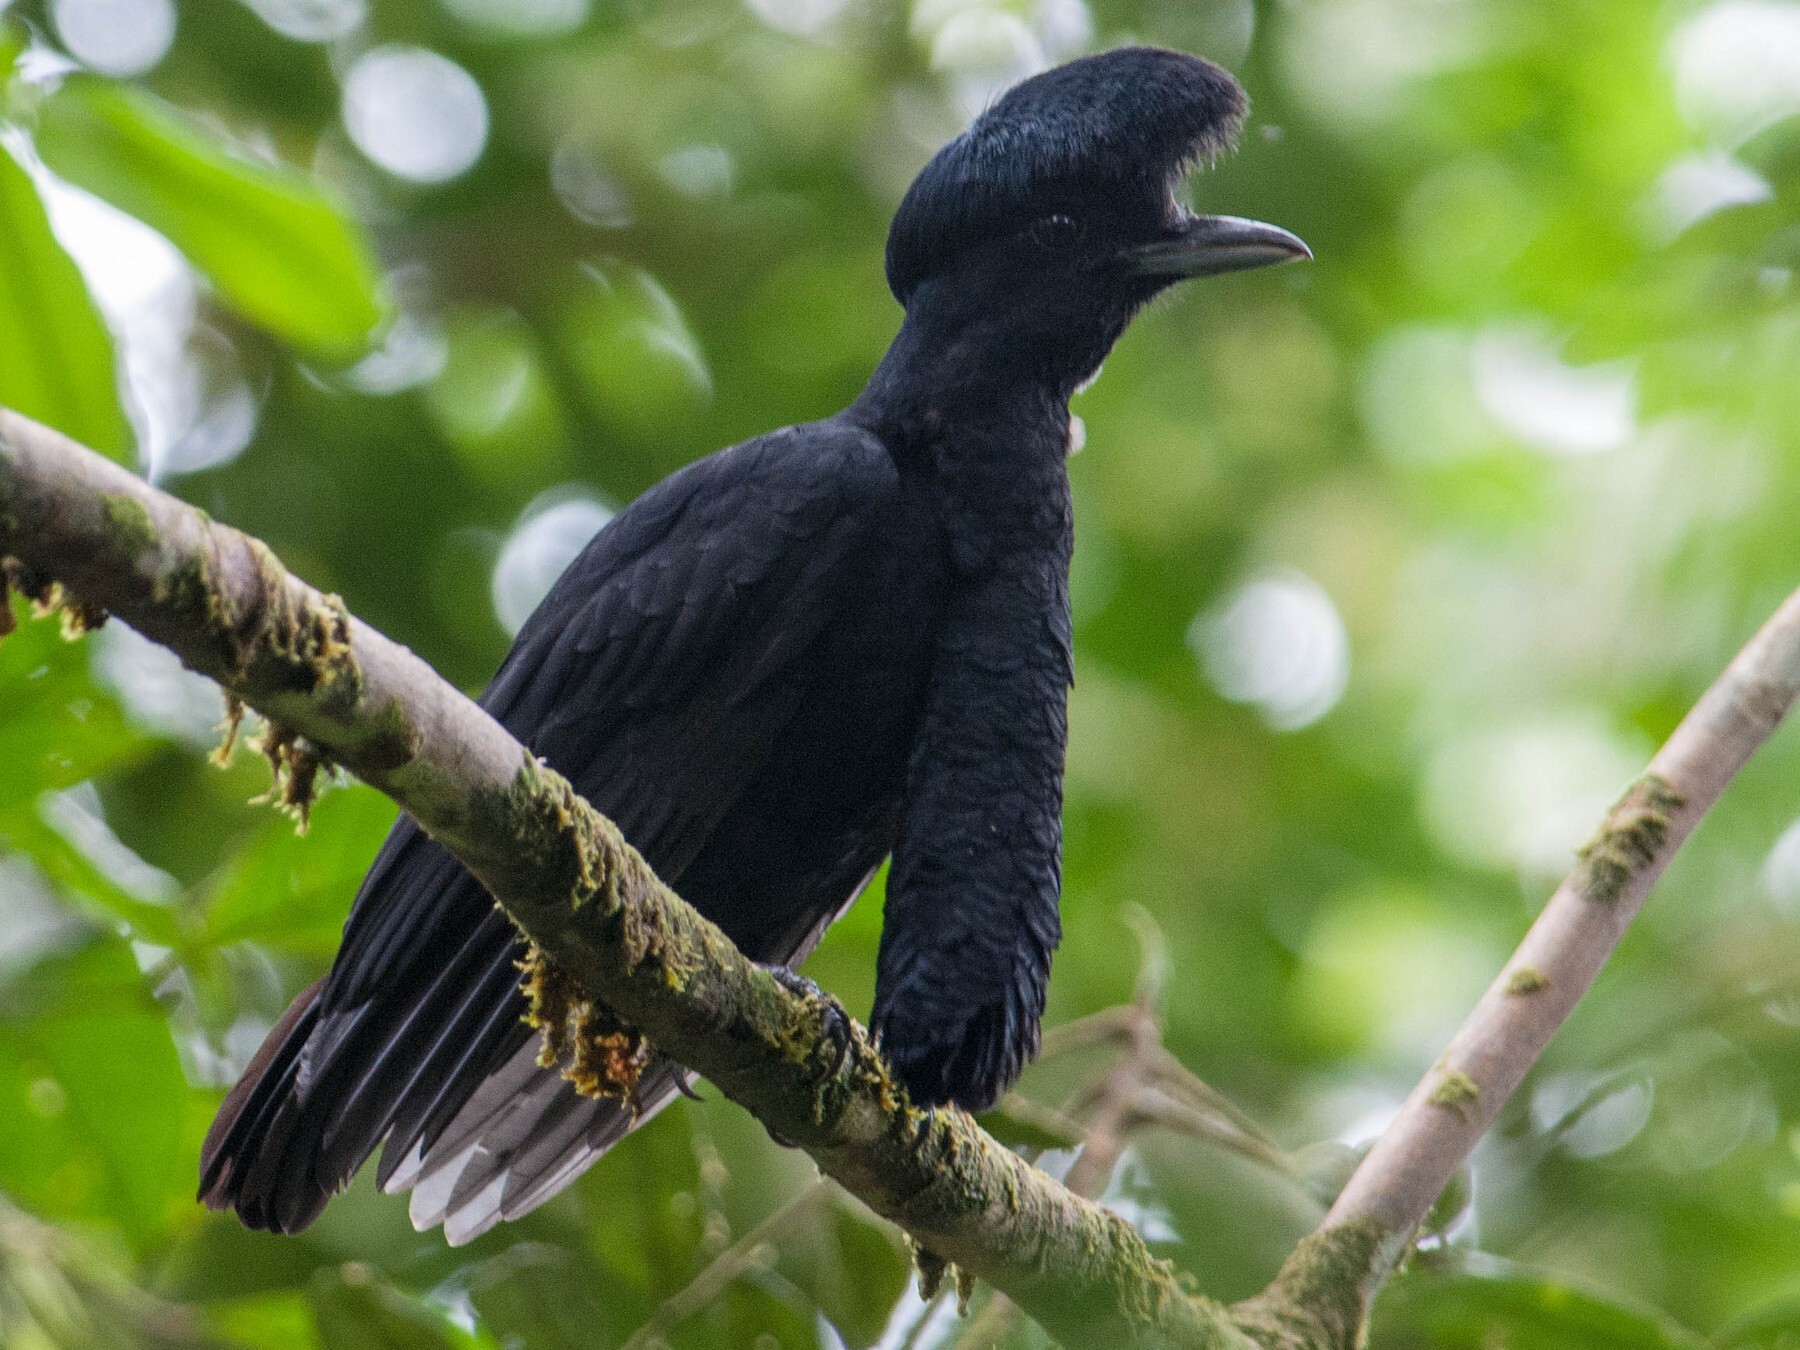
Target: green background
[1391,571]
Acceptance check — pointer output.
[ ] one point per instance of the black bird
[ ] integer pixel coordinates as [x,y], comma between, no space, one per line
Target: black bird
[783,663]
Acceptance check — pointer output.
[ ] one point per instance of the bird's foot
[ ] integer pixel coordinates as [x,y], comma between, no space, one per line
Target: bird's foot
[836,1022]
[836,1025]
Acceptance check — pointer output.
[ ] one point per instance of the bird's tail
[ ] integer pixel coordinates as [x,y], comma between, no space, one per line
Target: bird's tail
[445,1073]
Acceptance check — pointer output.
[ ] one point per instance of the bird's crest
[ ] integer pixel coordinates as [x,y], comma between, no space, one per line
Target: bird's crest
[1117,128]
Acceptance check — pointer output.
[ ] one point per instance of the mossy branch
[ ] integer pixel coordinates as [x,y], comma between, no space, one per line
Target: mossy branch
[78,530]
[337,689]
[1454,1104]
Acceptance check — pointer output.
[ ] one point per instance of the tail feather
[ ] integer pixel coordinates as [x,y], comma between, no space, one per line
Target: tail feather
[236,1121]
[428,1117]
[419,1043]
[543,1174]
[432,1056]
[441,1066]
[523,1138]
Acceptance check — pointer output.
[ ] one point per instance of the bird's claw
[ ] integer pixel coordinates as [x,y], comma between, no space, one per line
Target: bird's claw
[836,1021]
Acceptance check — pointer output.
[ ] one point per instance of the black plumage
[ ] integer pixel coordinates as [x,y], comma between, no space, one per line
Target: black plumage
[783,663]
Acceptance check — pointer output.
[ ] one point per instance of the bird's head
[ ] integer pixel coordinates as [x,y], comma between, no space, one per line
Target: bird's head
[1044,227]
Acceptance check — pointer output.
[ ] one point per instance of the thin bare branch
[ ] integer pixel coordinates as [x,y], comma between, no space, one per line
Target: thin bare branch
[750,1252]
[1456,1102]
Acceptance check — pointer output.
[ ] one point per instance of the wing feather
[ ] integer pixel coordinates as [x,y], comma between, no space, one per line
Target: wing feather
[656,675]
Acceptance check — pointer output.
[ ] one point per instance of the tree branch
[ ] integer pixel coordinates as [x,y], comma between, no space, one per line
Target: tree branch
[335,689]
[1392,1191]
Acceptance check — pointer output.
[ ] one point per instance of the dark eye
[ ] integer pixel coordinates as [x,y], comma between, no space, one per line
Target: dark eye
[1058,233]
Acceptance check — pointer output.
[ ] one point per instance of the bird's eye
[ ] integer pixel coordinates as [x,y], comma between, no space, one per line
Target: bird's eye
[1058,232]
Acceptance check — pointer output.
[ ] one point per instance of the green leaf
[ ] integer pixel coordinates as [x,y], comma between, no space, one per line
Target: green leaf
[550,1297]
[1773,1326]
[92,1090]
[354,1308]
[293,891]
[56,356]
[90,889]
[1485,1301]
[12,42]
[278,249]
[1019,1122]
[59,727]
[272,1322]
[631,351]
[858,1290]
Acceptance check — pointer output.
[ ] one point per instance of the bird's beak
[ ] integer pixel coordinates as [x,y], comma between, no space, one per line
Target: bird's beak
[1208,245]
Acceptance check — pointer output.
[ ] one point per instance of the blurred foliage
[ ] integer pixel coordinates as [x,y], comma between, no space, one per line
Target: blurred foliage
[1390,570]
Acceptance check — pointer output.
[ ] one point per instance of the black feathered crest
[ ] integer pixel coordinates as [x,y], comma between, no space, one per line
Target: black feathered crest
[1114,128]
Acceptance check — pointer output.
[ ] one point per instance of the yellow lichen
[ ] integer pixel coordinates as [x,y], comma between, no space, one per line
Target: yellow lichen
[47,597]
[965,1290]
[1629,839]
[79,616]
[294,766]
[1526,980]
[599,1054]
[128,520]
[1317,1300]
[932,1268]
[33,585]
[229,728]
[1457,1092]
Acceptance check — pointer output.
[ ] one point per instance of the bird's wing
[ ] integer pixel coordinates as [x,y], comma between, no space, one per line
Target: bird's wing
[655,675]
[660,667]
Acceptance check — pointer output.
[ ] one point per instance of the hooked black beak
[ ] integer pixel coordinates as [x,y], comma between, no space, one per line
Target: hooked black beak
[1205,246]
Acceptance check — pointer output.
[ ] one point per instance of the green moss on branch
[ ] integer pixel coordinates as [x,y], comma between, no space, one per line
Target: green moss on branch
[1526,980]
[1319,1301]
[619,938]
[1457,1092]
[1628,840]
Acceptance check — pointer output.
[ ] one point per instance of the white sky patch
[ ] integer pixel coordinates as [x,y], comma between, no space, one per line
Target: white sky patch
[116,37]
[412,351]
[1346,63]
[311,20]
[1131,1194]
[1697,186]
[551,531]
[1781,873]
[984,48]
[802,18]
[33,921]
[1278,644]
[414,348]
[1737,66]
[585,186]
[698,171]
[1594,1116]
[186,396]
[414,113]
[1526,796]
[159,693]
[940,1323]
[76,814]
[1526,386]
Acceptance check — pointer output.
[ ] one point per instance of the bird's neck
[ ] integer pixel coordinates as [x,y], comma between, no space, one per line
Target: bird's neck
[949,386]
[987,435]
